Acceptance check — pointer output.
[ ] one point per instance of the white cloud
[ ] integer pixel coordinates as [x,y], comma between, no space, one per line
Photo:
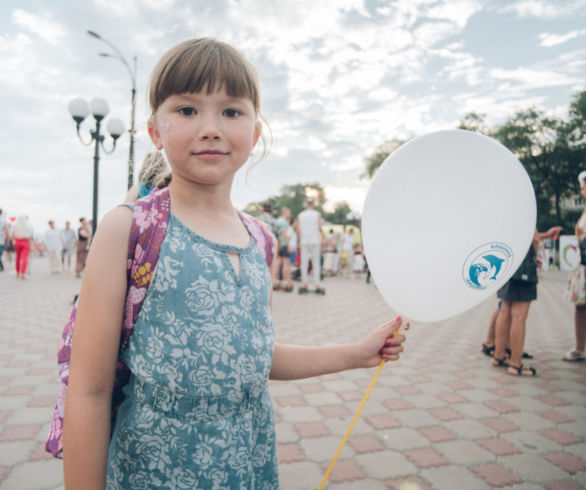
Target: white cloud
[544,8]
[548,40]
[41,25]
[338,78]
[532,77]
[457,12]
[353,195]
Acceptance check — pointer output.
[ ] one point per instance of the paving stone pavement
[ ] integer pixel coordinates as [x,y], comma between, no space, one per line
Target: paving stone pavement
[440,418]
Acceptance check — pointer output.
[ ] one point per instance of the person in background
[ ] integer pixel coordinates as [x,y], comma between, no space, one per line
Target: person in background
[346,254]
[358,261]
[68,240]
[22,234]
[3,236]
[309,229]
[268,219]
[330,252]
[577,286]
[9,241]
[293,241]
[84,235]
[516,297]
[284,253]
[53,245]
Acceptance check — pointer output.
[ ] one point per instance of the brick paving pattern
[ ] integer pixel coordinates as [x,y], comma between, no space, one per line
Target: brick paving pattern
[440,418]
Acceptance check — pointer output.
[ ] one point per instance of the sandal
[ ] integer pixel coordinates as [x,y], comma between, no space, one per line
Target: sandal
[574,356]
[525,355]
[499,362]
[521,371]
[486,350]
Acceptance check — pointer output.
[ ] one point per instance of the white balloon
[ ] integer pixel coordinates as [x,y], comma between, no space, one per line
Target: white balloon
[447,220]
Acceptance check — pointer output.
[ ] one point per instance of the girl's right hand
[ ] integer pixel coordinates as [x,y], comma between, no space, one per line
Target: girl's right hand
[384,342]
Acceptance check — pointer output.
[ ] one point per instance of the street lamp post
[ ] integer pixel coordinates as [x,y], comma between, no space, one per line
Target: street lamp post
[79,110]
[132,73]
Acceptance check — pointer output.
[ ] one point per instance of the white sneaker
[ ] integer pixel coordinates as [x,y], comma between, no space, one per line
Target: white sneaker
[573,356]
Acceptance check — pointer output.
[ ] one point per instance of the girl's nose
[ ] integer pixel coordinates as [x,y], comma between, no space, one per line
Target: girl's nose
[210,128]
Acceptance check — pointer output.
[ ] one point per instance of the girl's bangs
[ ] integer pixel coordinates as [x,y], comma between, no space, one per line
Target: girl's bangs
[206,68]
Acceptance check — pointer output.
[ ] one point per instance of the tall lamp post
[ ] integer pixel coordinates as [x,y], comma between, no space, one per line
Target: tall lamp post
[132,73]
[79,110]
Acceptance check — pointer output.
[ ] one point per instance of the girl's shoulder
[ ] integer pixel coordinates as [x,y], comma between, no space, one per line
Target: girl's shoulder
[116,223]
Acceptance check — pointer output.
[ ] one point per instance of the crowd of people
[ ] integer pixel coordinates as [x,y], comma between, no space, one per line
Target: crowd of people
[304,247]
[18,241]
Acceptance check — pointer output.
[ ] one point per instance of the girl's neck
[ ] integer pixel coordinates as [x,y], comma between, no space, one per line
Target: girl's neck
[208,211]
[188,195]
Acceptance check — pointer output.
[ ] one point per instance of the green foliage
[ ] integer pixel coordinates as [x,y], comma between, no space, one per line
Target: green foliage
[292,197]
[340,214]
[544,146]
[474,122]
[380,154]
[552,150]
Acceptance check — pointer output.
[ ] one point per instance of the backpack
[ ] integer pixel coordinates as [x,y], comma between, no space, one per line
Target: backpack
[147,233]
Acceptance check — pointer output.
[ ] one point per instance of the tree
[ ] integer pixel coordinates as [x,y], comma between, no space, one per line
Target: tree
[381,152]
[542,145]
[340,214]
[293,197]
[552,150]
[474,122]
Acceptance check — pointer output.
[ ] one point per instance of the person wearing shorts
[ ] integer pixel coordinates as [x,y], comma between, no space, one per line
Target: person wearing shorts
[284,254]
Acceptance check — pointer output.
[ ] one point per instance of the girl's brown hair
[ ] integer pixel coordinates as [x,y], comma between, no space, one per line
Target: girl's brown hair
[203,64]
[208,65]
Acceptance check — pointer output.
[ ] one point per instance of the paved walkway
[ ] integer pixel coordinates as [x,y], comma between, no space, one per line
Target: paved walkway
[440,418]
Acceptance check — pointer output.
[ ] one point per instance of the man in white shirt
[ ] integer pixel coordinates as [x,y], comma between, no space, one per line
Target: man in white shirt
[309,229]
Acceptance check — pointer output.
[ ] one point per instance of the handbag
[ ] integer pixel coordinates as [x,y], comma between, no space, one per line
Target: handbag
[527,271]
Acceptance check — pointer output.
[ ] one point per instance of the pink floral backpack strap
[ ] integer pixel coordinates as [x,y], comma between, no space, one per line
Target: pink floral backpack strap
[261,235]
[147,232]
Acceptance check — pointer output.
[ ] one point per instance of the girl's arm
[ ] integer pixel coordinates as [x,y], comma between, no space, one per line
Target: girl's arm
[86,430]
[296,361]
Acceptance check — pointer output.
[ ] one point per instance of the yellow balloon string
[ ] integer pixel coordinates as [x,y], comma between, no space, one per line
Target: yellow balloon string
[356,415]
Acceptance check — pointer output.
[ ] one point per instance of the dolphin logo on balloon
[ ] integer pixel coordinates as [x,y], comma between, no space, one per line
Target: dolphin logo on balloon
[486,265]
[480,272]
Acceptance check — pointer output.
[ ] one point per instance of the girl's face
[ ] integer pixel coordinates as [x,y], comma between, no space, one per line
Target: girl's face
[583,189]
[206,138]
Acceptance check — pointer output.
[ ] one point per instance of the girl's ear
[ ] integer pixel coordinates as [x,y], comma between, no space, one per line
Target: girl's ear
[154,134]
[257,133]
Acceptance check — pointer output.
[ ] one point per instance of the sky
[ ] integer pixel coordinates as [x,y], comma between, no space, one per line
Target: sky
[338,78]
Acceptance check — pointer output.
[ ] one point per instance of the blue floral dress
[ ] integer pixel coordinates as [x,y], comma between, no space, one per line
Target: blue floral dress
[197,412]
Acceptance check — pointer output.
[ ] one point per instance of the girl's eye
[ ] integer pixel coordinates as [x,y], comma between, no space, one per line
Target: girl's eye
[187,111]
[232,113]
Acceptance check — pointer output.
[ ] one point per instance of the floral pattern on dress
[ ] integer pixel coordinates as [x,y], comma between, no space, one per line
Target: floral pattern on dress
[576,288]
[197,412]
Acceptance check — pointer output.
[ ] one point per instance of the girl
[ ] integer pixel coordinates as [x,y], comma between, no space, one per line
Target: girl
[197,412]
